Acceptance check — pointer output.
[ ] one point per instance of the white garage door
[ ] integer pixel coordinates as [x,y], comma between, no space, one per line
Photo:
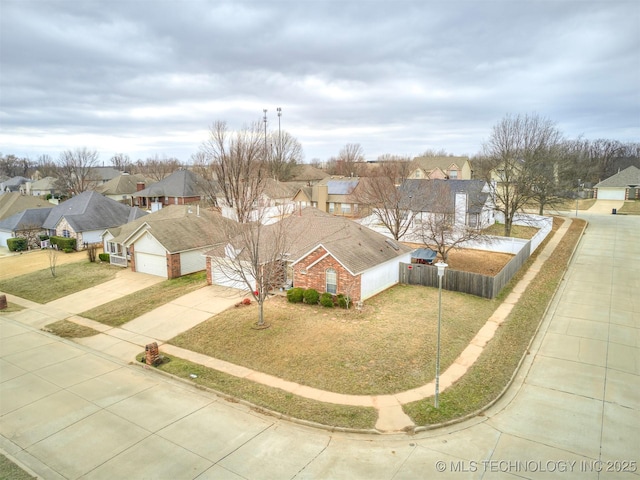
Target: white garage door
[3,238]
[151,264]
[219,278]
[611,193]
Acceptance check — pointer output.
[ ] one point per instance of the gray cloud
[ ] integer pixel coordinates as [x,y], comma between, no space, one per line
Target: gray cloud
[149,77]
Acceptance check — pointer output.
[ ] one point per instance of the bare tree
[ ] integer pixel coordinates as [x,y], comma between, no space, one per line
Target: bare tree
[238,162]
[157,168]
[76,174]
[255,260]
[46,166]
[350,160]
[13,166]
[204,168]
[380,195]
[286,153]
[441,215]
[517,147]
[52,254]
[122,162]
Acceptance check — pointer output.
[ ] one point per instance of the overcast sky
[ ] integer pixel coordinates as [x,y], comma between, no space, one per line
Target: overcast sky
[146,77]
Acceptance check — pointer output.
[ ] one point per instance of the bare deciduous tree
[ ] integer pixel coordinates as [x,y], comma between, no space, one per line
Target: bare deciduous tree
[439,221]
[122,162]
[350,160]
[517,150]
[254,259]
[286,153]
[157,168]
[380,195]
[76,174]
[52,255]
[238,162]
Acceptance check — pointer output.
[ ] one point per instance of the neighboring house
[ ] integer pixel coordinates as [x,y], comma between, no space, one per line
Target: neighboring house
[334,195]
[85,216]
[328,253]
[307,174]
[624,185]
[168,243]
[454,168]
[101,175]
[26,224]
[14,202]
[124,188]
[468,202]
[16,184]
[180,188]
[44,186]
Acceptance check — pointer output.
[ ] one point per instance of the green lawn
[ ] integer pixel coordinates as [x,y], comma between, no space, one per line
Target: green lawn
[42,287]
[125,309]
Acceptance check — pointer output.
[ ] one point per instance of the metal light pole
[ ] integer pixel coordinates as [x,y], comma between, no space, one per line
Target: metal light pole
[577,197]
[441,266]
[279,135]
[265,134]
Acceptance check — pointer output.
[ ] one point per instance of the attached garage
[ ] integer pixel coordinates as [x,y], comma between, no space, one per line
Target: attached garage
[611,193]
[4,235]
[151,264]
[150,256]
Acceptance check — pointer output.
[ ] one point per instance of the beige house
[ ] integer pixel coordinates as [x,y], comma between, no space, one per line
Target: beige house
[334,195]
[454,168]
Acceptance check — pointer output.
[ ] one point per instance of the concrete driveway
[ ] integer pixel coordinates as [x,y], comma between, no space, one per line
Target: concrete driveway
[605,207]
[68,411]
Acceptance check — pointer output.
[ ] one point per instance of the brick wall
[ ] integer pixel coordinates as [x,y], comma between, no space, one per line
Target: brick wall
[315,276]
[133,258]
[173,265]
[209,276]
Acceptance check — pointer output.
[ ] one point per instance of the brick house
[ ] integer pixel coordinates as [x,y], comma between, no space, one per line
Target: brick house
[328,253]
[182,187]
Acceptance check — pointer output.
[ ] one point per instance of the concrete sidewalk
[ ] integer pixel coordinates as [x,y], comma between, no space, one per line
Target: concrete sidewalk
[573,412]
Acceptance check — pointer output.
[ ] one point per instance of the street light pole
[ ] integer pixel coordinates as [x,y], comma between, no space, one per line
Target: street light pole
[441,266]
[265,134]
[577,197]
[279,135]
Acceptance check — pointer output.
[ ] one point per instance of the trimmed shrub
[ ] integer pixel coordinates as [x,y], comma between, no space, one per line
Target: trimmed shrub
[17,244]
[43,237]
[63,243]
[104,257]
[326,300]
[295,295]
[67,250]
[343,302]
[311,296]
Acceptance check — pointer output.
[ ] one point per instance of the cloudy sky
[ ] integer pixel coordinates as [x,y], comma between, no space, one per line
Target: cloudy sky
[147,77]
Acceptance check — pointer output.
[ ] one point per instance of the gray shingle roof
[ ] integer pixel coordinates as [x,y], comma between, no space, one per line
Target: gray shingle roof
[439,195]
[89,211]
[181,183]
[624,178]
[179,228]
[122,185]
[29,218]
[356,247]
[14,202]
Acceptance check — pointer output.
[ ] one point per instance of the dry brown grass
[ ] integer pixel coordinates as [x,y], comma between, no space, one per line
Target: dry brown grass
[387,347]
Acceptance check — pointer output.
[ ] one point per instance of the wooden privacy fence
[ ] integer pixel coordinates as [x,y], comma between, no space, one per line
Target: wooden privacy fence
[466,282]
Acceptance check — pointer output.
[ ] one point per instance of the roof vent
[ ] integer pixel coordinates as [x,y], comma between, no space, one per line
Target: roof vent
[392,244]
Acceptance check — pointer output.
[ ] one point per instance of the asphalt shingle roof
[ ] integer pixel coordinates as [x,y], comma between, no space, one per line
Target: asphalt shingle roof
[14,202]
[181,183]
[89,211]
[29,218]
[179,228]
[439,195]
[624,178]
[121,185]
[355,246]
